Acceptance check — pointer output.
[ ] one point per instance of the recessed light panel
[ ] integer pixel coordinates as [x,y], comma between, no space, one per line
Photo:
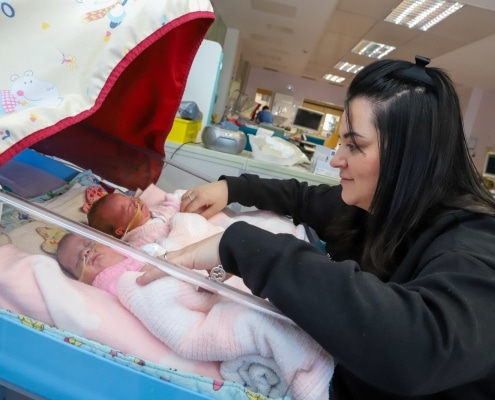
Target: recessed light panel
[372,49]
[422,14]
[348,67]
[333,78]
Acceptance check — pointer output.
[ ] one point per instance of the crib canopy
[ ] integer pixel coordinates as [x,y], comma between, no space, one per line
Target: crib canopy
[97,83]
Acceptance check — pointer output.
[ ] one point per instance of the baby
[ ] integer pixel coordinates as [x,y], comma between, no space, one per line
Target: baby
[116,214]
[154,223]
[101,266]
[205,326]
[93,263]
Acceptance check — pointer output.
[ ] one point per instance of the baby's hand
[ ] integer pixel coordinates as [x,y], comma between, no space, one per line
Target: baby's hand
[150,274]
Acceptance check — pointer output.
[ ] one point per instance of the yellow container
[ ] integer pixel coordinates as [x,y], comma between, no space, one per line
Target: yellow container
[332,141]
[184,131]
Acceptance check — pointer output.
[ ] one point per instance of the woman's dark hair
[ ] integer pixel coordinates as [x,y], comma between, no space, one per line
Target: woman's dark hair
[425,166]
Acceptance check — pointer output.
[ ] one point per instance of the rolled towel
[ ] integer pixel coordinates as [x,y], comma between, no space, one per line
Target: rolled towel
[257,374]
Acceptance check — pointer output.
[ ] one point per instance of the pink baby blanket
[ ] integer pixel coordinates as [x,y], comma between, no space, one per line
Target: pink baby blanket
[264,353]
[34,285]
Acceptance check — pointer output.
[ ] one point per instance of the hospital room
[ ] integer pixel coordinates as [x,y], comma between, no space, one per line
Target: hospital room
[247,200]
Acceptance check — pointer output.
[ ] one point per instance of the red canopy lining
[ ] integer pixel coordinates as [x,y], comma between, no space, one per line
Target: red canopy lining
[122,137]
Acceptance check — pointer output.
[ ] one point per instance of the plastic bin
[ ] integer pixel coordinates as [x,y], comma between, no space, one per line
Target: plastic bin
[252,131]
[184,131]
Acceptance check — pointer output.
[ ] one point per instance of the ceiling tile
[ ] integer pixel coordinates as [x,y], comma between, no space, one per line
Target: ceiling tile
[272,7]
[349,23]
[334,44]
[265,39]
[468,24]
[377,9]
[391,34]
[280,28]
[430,46]
[486,4]
[325,31]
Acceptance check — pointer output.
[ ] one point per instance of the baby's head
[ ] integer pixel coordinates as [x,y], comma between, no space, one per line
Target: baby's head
[117,213]
[83,259]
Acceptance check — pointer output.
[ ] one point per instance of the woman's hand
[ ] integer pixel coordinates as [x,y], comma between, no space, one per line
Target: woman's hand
[202,255]
[207,200]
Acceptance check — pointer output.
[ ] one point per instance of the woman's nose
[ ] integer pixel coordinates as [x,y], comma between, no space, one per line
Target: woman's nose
[337,161]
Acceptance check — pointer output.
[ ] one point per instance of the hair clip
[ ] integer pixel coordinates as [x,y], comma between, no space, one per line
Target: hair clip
[417,72]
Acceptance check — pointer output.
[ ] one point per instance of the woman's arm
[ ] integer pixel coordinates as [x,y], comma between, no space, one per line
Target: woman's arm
[313,205]
[397,337]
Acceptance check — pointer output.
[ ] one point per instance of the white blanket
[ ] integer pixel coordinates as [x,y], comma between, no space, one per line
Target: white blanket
[264,353]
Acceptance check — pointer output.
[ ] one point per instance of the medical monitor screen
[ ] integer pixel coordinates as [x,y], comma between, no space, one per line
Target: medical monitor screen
[489,170]
[308,119]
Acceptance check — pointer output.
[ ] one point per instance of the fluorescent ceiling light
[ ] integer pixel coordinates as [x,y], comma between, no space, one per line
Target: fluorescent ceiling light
[422,14]
[348,67]
[333,78]
[372,49]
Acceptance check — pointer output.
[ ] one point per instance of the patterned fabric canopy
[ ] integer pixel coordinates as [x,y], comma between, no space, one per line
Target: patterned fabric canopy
[97,83]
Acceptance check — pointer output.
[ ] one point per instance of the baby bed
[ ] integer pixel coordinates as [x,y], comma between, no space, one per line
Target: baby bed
[98,84]
[31,343]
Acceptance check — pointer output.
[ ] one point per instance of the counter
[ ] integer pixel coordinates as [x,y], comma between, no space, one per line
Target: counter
[203,165]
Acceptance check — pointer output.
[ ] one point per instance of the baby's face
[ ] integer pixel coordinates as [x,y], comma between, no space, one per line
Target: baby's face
[85,259]
[131,212]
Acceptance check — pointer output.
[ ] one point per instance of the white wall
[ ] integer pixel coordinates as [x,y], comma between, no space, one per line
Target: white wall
[202,82]
[302,88]
[229,63]
[483,127]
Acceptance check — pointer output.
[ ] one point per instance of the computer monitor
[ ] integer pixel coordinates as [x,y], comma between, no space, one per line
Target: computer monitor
[489,169]
[307,119]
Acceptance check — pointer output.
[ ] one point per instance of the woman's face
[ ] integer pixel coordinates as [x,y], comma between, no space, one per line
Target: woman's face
[85,259]
[358,156]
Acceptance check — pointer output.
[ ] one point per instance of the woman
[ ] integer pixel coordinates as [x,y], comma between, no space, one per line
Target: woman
[404,299]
